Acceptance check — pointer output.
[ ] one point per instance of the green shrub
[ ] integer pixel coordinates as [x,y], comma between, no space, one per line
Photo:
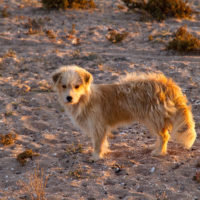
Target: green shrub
[64,4]
[161,9]
[184,41]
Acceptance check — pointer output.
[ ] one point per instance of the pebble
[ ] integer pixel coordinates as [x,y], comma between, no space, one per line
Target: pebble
[152,170]
[117,170]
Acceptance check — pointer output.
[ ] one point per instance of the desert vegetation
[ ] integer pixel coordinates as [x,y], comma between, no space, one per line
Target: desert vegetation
[161,10]
[63,4]
[8,139]
[115,36]
[43,156]
[35,185]
[184,41]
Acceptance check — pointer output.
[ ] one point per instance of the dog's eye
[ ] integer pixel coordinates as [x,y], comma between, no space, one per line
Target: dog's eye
[64,86]
[77,86]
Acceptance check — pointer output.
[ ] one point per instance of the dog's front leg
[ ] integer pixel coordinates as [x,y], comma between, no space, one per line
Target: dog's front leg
[161,143]
[100,145]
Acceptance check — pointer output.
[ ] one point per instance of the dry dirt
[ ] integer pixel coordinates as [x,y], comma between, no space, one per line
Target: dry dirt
[33,43]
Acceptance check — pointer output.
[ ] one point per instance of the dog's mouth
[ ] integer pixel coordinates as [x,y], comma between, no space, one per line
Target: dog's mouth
[68,103]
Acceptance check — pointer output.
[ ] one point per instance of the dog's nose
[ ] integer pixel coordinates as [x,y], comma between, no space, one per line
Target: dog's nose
[69,98]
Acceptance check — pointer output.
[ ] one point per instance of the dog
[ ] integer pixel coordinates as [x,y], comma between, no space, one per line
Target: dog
[150,99]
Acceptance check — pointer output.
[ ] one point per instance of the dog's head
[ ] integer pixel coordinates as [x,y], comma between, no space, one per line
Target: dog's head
[72,84]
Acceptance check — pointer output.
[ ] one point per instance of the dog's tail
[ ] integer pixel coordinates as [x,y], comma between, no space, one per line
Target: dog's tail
[183,130]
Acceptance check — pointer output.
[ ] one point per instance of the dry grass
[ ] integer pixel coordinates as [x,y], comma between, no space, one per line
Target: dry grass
[5,13]
[34,26]
[74,149]
[35,185]
[50,34]
[77,173]
[115,36]
[162,196]
[64,4]
[9,53]
[184,41]
[8,139]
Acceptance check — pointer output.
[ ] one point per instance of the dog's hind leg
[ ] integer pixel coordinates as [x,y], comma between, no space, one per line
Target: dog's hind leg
[161,143]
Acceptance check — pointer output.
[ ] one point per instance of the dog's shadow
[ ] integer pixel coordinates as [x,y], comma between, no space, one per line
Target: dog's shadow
[125,151]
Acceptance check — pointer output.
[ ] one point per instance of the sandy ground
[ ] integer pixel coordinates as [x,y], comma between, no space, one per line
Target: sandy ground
[33,43]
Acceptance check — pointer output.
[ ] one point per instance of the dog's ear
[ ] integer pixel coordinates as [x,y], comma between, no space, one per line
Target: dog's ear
[88,77]
[56,77]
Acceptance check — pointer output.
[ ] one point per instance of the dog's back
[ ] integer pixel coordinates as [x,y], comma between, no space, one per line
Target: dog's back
[152,99]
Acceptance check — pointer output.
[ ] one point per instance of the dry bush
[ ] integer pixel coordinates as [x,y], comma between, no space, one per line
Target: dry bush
[9,53]
[5,13]
[22,157]
[184,41]
[162,196]
[74,149]
[50,34]
[64,4]
[161,9]
[116,36]
[77,173]
[34,26]
[8,139]
[35,185]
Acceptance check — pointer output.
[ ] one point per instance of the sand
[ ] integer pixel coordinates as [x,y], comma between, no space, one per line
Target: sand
[33,43]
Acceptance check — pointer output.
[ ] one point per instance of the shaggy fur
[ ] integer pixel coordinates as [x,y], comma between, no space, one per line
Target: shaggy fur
[151,99]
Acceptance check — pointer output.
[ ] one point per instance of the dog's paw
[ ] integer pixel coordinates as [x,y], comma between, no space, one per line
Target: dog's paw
[95,157]
[157,152]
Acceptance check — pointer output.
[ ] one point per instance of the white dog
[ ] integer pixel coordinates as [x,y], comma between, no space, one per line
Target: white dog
[151,99]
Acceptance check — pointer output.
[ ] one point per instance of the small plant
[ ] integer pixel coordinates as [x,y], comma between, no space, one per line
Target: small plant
[77,173]
[184,41]
[8,113]
[162,196]
[22,157]
[34,26]
[150,37]
[8,139]
[36,185]
[76,53]
[64,4]
[116,36]
[161,9]
[5,13]
[74,149]
[50,34]
[9,53]
[196,177]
